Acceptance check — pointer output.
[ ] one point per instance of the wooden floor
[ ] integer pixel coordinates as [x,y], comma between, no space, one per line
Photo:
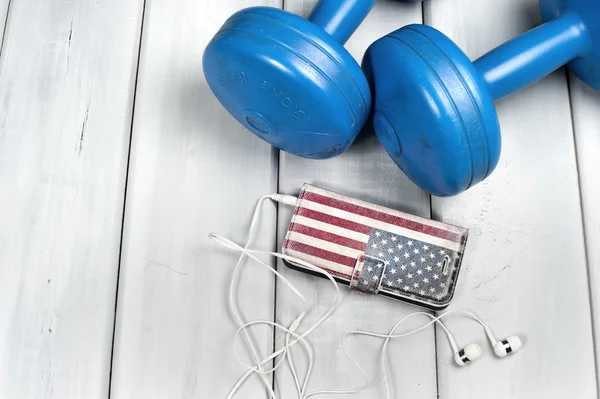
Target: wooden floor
[116,161]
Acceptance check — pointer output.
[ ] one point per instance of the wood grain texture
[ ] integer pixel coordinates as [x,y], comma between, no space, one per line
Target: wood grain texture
[193,170]
[586,118]
[66,93]
[366,172]
[525,263]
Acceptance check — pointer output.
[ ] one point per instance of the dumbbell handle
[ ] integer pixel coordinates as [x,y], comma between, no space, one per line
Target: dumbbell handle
[527,58]
[340,18]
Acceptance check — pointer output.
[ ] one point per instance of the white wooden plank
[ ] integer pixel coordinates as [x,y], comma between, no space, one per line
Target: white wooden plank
[193,170]
[525,262]
[366,172]
[66,92]
[586,118]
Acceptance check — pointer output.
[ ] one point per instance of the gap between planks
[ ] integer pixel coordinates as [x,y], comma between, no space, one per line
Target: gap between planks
[135,87]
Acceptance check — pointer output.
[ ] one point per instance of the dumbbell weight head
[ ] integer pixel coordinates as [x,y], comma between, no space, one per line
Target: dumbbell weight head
[586,67]
[432,112]
[433,107]
[288,81]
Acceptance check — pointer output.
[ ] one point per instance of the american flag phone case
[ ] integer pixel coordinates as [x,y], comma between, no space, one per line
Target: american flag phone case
[376,250]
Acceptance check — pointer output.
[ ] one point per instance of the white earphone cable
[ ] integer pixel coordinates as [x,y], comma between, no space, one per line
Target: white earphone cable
[233,304]
[295,324]
[250,253]
[291,331]
[391,335]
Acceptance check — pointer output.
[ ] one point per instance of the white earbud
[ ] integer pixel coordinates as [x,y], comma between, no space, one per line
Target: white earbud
[507,346]
[472,352]
[467,355]
[463,356]
[502,348]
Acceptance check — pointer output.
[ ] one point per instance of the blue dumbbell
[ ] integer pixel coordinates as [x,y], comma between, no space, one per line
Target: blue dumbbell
[434,108]
[289,80]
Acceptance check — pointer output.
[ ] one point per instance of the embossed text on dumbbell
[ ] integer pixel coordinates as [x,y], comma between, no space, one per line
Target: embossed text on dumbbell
[286,102]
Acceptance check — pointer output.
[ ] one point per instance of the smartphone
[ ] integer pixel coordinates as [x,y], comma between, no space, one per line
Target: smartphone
[376,250]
